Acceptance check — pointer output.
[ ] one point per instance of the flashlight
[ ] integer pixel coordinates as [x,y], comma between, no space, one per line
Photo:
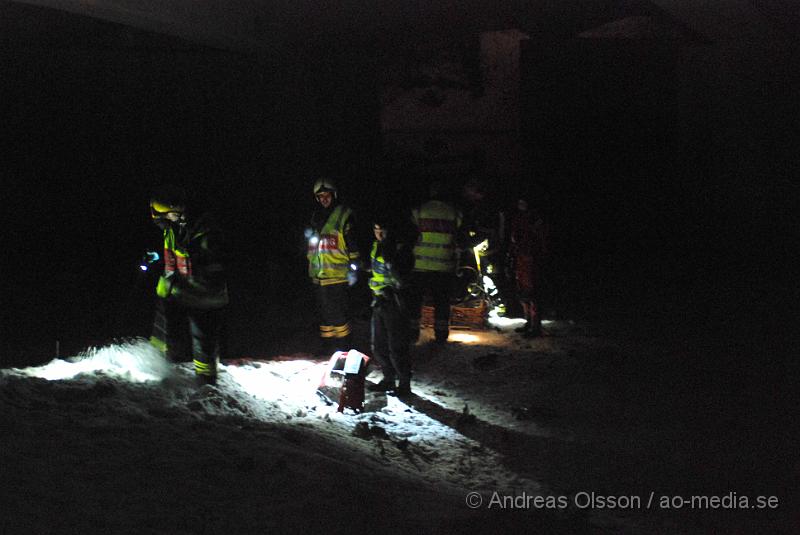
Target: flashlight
[150,257]
[312,237]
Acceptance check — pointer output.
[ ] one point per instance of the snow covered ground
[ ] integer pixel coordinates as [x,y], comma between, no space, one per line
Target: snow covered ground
[117,440]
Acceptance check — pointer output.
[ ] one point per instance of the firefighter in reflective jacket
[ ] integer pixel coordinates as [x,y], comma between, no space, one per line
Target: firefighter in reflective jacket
[192,291]
[435,254]
[391,264]
[333,263]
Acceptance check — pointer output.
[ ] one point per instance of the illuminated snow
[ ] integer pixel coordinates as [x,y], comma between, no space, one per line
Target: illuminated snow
[132,361]
[495,320]
[104,430]
[464,338]
[291,382]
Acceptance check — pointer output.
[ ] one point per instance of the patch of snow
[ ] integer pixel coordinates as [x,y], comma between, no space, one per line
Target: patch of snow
[119,440]
[136,361]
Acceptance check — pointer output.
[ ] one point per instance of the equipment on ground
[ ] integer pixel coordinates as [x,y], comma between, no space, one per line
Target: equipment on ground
[345,373]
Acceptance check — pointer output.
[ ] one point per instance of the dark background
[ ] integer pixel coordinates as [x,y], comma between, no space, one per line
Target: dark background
[95,114]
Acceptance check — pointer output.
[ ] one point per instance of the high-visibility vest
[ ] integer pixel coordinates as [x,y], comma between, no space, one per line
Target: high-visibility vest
[176,263]
[438,223]
[381,275]
[200,287]
[329,256]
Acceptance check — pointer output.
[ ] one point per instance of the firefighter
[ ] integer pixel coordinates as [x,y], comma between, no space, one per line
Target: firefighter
[528,249]
[192,290]
[391,262]
[435,252]
[482,223]
[333,264]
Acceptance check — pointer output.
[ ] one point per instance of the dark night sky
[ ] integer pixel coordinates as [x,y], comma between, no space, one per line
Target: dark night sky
[95,114]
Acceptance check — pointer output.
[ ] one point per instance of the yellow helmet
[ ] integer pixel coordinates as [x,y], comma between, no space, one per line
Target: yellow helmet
[167,199]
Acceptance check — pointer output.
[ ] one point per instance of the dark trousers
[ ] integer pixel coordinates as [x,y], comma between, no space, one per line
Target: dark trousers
[390,338]
[187,334]
[334,317]
[438,284]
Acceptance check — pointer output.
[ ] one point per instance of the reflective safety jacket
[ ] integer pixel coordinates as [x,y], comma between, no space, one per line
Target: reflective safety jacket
[438,224]
[193,272]
[382,275]
[329,254]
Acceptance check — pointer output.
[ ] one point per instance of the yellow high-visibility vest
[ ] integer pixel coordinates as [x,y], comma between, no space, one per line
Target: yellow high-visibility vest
[381,276]
[200,288]
[438,224]
[329,255]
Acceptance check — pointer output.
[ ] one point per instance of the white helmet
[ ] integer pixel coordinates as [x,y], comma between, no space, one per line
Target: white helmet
[325,184]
